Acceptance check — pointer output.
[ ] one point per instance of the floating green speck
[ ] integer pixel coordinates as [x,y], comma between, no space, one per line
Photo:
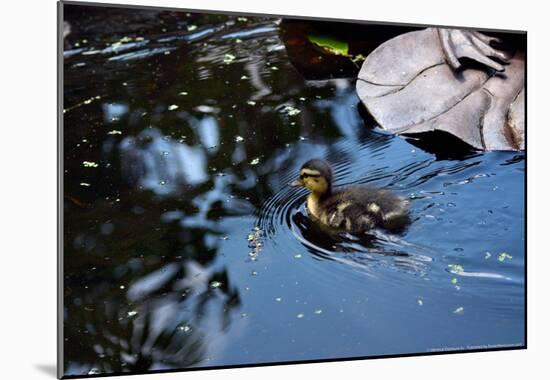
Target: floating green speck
[255,161]
[487,255]
[228,58]
[190,28]
[114,132]
[300,315]
[291,111]
[459,310]
[318,311]
[454,280]
[504,256]
[456,268]
[215,284]
[90,164]
[173,107]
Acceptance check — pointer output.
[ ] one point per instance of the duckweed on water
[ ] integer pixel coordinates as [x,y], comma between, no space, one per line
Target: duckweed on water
[89,164]
[255,161]
[487,255]
[291,111]
[239,139]
[173,107]
[215,284]
[228,58]
[459,310]
[504,256]
[254,242]
[456,268]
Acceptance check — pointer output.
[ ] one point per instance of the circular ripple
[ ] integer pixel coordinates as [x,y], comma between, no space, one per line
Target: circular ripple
[285,222]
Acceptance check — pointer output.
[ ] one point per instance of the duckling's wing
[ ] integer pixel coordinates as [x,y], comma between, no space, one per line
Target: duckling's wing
[383,207]
[347,209]
[394,210]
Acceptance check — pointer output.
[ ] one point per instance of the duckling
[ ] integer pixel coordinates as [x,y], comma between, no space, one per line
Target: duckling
[355,209]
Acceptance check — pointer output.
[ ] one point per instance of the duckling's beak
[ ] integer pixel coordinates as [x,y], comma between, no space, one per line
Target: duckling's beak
[297,182]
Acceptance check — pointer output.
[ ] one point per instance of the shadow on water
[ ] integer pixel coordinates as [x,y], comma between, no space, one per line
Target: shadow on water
[184,246]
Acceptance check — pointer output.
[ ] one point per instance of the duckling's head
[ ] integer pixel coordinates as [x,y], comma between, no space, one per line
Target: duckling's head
[316,176]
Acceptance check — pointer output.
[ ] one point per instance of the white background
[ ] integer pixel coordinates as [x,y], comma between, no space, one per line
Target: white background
[28,187]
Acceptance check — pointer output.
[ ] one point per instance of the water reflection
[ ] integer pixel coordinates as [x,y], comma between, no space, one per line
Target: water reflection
[153,161]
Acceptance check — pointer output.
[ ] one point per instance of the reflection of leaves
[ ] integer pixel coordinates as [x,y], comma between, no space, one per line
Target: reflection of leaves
[422,93]
[108,329]
[132,344]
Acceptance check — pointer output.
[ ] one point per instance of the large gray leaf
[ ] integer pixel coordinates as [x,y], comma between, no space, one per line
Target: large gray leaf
[409,88]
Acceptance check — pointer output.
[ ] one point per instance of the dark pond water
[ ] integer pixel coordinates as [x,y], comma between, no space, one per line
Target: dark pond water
[184,246]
